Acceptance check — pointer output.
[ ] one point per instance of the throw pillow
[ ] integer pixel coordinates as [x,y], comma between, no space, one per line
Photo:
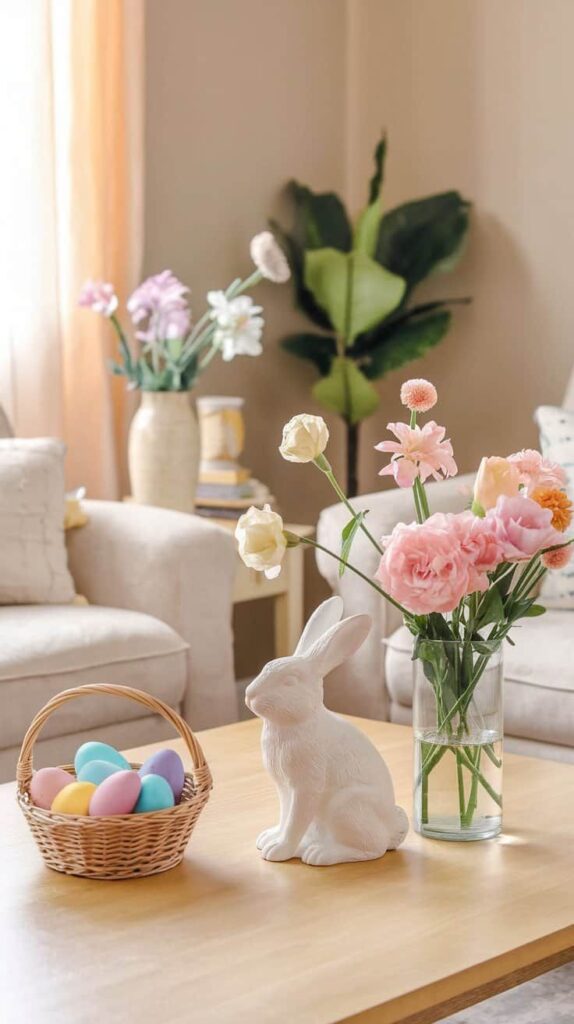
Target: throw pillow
[33,557]
[557,443]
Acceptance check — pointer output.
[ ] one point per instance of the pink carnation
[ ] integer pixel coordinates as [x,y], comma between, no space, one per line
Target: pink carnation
[426,569]
[558,558]
[419,451]
[523,527]
[99,296]
[536,471]
[418,394]
[478,539]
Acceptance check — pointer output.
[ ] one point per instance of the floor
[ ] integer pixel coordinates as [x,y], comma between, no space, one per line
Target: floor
[548,999]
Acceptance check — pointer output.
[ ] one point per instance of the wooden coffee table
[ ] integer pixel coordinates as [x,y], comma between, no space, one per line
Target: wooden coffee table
[227,938]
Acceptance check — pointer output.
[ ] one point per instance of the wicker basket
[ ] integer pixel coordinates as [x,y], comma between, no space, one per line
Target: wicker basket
[119,846]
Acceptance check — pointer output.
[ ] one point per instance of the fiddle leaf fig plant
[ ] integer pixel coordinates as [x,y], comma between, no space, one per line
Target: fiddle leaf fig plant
[356,287]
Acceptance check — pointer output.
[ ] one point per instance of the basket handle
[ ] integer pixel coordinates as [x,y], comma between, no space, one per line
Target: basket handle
[201,773]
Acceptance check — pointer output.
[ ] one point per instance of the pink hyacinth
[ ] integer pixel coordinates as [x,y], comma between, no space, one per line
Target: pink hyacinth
[536,471]
[425,567]
[419,451]
[162,301]
[558,558]
[523,527]
[99,296]
[418,394]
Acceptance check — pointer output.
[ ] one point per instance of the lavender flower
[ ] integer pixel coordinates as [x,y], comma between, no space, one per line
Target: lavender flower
[161,300]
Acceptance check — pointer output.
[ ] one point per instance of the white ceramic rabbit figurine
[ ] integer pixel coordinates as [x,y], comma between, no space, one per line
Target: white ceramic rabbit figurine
[336,794]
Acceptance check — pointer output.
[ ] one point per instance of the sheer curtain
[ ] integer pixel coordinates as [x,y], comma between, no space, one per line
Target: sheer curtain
[71,178]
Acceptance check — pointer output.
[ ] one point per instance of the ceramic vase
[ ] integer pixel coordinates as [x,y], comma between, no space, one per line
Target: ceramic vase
[163,452]
[458,730]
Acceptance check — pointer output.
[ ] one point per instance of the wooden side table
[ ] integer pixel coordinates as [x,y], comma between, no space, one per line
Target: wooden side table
[286,590]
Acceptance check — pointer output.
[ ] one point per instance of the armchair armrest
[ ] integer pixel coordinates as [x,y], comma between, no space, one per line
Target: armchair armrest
[176,567]
[358,686]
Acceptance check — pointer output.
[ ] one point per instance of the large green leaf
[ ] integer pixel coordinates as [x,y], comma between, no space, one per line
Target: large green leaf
[320,219]
[303,297]
[367,229]
[407,341]
[373,339]
[420,237]
[355,292]
[319,349]
[346,391]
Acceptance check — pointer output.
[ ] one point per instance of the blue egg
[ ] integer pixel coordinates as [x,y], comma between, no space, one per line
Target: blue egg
[156,794]
[97,771]
[94,751]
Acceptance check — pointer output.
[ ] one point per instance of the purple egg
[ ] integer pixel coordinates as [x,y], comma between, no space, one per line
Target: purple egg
[169,765]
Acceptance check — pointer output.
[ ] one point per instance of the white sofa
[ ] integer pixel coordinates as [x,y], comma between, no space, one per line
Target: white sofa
[378,681]
[159,587]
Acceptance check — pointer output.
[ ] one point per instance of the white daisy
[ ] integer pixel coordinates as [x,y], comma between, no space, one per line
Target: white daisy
[239,326]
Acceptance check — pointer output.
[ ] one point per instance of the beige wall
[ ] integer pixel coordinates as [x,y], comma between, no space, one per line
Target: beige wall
[475,94]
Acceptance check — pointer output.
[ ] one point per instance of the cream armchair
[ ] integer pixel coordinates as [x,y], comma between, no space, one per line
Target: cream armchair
[159,587]
[378,681]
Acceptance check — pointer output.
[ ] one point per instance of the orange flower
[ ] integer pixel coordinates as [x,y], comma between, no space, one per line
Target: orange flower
[559,504]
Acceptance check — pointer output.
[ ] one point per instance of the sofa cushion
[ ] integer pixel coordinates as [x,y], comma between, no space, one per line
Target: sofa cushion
[538,677]
[33,556]
[48,648]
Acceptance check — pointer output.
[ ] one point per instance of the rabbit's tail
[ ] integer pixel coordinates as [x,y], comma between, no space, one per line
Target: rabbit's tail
[400,829]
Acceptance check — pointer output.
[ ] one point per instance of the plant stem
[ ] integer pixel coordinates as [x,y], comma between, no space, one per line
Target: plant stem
[343,497]
[315,544]
[352,459]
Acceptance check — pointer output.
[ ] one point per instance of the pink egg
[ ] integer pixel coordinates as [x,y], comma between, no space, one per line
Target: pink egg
[117,794]
[46,784]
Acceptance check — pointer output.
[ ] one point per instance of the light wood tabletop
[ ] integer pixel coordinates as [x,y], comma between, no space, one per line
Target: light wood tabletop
[227,937]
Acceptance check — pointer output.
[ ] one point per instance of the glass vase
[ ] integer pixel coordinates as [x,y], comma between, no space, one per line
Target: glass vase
[457,723]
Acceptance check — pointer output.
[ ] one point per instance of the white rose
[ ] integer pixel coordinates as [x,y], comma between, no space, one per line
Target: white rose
[269,258]
[305,437]
[261,541]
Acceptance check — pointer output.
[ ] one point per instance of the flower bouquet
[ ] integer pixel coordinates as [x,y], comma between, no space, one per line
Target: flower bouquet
[461,582]
[168,357]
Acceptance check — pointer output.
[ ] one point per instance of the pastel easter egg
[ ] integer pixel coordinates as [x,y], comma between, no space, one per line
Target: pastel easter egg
[156,794]
[117,794]
[97,771]
[94,751]
[46,784]
[169,765]
[74,799]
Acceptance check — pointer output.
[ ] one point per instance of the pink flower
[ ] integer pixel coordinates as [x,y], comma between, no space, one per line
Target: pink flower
[162,301]
[536,471]
[558,558]
[418,394]
[523,527]
[420,451]
[99,296]
[426,569]
[479,540]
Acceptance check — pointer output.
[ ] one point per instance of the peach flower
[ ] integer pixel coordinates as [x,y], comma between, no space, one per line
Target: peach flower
[495,476]
[558,558]
[536,471]
[425,569]
[418,394]
[523,528]
[419,451]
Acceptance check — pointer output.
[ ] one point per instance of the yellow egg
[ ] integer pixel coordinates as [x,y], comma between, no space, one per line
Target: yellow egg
[74,799]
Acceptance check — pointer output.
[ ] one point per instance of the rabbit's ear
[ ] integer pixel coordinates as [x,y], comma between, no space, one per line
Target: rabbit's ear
[325,616]
[339,643]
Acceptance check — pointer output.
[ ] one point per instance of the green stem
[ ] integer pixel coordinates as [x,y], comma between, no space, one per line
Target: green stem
[460,782]
[480,778]
[343,497]
[315,544]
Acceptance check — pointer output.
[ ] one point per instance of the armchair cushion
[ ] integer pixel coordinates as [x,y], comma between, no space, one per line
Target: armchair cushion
[538,678]
[48,648]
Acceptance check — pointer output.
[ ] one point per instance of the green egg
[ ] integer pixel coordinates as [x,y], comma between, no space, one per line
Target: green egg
[156,794]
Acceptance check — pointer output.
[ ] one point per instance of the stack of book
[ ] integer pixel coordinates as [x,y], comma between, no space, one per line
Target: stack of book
[226,492]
